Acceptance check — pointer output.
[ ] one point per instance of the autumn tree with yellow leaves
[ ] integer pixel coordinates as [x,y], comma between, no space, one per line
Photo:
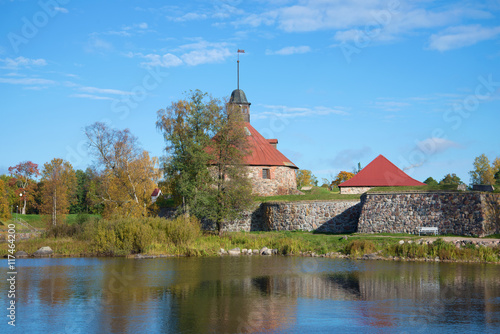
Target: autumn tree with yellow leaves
[342,177]
[58,186]
[483,172]
[128,175]
[305,178]
[4,201]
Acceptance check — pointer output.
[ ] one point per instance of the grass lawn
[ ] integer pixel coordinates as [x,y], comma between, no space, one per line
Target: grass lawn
[447,187]
[38,221]
[315,194]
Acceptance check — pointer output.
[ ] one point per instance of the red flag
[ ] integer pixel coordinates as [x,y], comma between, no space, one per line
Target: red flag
[241,51]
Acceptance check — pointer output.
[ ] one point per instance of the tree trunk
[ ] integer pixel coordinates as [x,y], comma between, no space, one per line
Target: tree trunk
[54,209]
[23,211]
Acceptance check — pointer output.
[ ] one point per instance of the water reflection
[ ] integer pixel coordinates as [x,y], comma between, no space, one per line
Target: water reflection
[254,294]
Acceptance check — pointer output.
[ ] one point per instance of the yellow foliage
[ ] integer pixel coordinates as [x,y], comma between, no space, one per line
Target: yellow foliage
[342,177]
[58,186]
[127,188]
[4,202]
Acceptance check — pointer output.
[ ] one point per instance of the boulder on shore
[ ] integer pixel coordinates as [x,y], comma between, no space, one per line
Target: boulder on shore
[234,252]
[43,251]
[21,254]
[265,251]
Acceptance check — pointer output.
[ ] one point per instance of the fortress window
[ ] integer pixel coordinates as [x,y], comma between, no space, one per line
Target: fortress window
[266,173]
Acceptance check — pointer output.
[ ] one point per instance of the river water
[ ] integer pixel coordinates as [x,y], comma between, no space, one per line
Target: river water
[252,295]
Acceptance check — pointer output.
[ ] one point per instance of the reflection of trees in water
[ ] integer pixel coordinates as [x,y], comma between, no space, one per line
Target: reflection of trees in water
[430,292]
[256,295]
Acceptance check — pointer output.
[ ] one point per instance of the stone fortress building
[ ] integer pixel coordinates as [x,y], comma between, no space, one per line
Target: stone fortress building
[270,171]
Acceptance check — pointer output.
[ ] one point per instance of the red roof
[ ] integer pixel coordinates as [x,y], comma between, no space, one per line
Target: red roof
[381,173]
[156,192]
[263,153]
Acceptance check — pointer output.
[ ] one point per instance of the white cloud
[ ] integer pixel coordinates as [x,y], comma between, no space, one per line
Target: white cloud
[104,91]
[205,52]
[391,105]
[435,145]
[92,97]
[188,17]
[153,60]
[462,36]
[61,9]
[284,111]
[22,62]
[290,50]
[362,20]
[26,81]
[126,31]
[192,54]
[204,56]
[96,44]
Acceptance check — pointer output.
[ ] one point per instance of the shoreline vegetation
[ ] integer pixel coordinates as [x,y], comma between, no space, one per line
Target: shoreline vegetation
[157,237]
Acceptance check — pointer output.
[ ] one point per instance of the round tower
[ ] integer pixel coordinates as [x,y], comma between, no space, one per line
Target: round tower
[239,98]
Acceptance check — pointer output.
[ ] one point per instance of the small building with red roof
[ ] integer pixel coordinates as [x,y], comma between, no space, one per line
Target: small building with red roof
[378,173]
[271,172]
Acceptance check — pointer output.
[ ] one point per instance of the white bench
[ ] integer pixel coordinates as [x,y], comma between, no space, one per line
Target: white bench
[422,229]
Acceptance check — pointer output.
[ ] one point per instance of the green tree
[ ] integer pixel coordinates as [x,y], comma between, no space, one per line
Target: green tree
[305,178]
[188,126]
[496,170]
[430,181]
[483,171]
[231,190]
[206,143]
[450,179]
[83,202]
[58,189]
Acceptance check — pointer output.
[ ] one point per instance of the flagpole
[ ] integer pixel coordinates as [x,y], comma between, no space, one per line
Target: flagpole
[238,62]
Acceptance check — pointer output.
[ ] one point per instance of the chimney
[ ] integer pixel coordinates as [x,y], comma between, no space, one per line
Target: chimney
[273,142]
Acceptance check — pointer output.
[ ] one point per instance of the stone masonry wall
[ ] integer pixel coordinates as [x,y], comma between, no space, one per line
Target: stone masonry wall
[282,181]
[452,213]
[333,217]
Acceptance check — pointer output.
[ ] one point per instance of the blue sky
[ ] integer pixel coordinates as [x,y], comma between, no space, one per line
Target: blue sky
[337,82]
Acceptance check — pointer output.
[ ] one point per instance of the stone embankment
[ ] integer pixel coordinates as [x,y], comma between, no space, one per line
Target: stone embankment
[467,213]
[321,216]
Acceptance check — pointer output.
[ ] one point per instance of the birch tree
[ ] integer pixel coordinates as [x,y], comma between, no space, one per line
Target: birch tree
[128,175]
[58,189]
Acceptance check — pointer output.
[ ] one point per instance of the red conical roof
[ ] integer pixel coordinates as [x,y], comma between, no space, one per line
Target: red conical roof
[262,152]
[381,173]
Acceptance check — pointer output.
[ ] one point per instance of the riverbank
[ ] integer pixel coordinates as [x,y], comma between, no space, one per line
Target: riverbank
[352,246]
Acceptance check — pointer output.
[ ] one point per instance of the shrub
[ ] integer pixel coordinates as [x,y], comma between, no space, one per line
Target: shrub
[62,231]
[360,247]
[182,230]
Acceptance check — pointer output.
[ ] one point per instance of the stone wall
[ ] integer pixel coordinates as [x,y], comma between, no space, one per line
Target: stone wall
[250,221]
[459,213]
[282,181]
[470,213]
[333,216]
[323,216]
